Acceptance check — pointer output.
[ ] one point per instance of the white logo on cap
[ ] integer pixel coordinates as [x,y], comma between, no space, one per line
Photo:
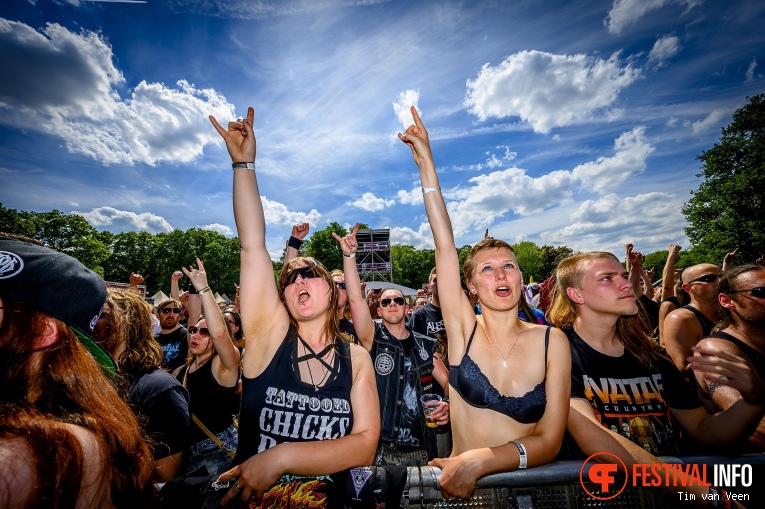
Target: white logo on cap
[10,264]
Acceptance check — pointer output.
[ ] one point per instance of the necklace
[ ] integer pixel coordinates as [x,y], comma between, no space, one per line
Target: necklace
[319,357]
[504,357]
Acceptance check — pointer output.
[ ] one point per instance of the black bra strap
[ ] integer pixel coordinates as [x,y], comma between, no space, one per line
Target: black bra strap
[314,355]
[471,337]
[547,342]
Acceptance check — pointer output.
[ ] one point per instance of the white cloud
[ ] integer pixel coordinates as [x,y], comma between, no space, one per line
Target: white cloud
[371,203]
[124,220]
[78,100]
[413,197]
[277,213]
[220,228]
[750,71]
[650,221]
[548,90]
[663,49]
[420,239]
[627,12]
[497,193]
[606,173]
[710,121]
[496,162]
[404,102]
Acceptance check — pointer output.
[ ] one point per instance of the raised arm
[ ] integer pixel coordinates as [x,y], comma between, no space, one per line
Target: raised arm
[292,250]
[635,268]
[668,275]
[261,308]
[729,259]
[226,364]
[362,320]
[458,315]
[175,291]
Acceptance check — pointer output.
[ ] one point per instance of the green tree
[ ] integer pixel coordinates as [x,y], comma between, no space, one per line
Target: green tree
[14,221]
[411,267]
[529,260]
[727,209]
[551,257]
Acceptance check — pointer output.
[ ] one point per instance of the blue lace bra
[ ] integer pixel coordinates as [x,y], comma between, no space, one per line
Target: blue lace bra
[470,383]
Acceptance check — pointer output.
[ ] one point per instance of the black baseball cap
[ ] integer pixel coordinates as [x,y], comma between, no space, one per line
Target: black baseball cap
[57,285]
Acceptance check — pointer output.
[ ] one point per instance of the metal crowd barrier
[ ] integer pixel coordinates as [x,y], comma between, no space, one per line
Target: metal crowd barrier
[558,485]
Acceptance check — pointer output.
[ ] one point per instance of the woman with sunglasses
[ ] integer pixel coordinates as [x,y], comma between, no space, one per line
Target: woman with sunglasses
[211,374]
[309,403]
[521,396]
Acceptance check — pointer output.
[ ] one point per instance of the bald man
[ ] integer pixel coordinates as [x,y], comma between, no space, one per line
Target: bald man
[686,326]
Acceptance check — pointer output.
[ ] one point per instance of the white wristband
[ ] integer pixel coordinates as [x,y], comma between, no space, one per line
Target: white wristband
[522,453]
[426,190]
[243,166]
[352,255]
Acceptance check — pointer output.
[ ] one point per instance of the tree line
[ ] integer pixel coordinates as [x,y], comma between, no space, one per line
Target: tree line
[726,212]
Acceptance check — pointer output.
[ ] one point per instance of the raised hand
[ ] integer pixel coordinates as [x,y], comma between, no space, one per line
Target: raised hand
[135,279]
[198,277]
[177,275]
[635,257]
[416,137]
[239,138]
[673,249]
[299,231]
[348,243]
[651,273]
[184,297]
[731,257]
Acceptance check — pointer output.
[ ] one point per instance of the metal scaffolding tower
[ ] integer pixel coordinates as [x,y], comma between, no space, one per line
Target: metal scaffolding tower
[373,255]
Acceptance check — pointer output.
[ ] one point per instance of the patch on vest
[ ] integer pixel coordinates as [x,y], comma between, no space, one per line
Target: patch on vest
[360,477]
[384,364]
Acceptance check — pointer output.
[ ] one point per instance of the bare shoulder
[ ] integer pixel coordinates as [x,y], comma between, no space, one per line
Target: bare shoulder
[719,344]
[95,488]
[681,314]
[17,472]
[360,359]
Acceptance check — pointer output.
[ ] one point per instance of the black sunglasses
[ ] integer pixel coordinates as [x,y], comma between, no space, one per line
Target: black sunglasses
[167,311]
[304,273]
[340,286]
[758,292]
[202,330]
[387,300]
[706,278]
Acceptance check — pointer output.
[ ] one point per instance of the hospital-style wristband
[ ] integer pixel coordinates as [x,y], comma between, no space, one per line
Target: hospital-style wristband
[522,453]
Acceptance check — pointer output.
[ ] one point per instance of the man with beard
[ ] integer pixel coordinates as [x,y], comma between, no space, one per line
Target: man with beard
[172,338]
[741,306]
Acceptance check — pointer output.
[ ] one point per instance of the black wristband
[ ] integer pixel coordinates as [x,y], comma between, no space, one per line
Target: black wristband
[294,242]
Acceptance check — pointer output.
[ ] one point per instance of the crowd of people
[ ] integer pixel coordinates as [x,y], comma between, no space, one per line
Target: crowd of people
[284,398]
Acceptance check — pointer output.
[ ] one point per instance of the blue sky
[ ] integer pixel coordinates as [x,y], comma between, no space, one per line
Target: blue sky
[573,123]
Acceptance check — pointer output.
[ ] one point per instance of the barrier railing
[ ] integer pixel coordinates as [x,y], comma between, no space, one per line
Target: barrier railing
[558,485]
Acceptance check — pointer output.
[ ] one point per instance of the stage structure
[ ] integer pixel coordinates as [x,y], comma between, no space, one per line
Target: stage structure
[373,255]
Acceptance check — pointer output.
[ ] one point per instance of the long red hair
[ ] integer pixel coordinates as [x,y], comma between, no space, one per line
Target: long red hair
[67,388]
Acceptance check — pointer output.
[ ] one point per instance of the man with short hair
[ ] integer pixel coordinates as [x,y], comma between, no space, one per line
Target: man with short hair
[428,319]
[741,306]
[403,362]
[686,326]
[172,338]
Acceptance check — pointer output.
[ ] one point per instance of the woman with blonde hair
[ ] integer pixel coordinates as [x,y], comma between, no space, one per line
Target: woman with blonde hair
[520,396]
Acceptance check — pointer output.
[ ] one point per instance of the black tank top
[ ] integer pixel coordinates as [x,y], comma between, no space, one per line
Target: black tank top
[278,407]
[212,403]
[706,324]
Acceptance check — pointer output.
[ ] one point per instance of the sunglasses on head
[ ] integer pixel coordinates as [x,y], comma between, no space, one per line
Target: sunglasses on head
[168,310]
[758,292]
[204,331]
[340,286]
[387,300]
[305,272]
[706,278]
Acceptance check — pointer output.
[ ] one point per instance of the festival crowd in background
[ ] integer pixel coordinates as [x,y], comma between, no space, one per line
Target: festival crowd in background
[308,385]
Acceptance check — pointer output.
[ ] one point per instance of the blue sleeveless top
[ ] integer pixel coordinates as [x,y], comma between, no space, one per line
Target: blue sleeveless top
[469,381]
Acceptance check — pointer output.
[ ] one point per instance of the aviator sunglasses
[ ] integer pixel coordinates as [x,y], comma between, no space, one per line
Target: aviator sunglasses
[304,272]
[706,278]
[167,311]
[204,331]
[398,300]
[758,292]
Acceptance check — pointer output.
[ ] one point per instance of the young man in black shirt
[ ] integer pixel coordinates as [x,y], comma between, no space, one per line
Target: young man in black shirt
[623,388]
[175,347]
[428,319]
